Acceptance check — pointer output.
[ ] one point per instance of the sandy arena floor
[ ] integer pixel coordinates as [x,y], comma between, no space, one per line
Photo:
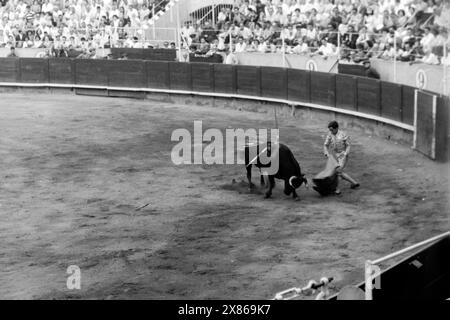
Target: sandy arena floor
[74,169]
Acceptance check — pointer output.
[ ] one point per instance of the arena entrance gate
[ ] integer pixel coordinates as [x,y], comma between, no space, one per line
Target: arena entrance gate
[431,133]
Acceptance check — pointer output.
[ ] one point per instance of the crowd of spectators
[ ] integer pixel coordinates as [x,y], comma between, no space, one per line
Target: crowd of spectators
[61,26]
[353,30]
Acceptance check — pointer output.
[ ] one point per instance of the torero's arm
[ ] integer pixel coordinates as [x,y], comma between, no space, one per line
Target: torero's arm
[326,145]
[347,145]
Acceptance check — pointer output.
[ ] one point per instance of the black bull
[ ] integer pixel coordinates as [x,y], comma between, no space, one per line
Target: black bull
[288,168]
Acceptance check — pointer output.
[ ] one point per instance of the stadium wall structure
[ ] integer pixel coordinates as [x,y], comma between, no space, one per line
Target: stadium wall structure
[428,77]
[425,76]
[380,108]
[303,62]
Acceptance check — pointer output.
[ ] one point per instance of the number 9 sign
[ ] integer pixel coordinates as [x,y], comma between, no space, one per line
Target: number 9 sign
[311,65]
[421,79]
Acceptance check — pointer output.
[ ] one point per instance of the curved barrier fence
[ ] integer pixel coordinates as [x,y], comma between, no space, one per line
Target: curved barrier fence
[424,114]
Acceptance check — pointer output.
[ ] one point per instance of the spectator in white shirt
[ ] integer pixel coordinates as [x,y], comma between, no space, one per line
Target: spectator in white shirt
[311,32]
[244,32]
[326,49]
[241,46]
[301,47]
[47,6]
[222,15]
[442,38]
[408,36]
[270,14]
[363,38]
[297,17]
[446,61]
[307,6]
[428,39]
[288,34]
[231,59]
[406,53]
[279,17]
[430,58]
[388,53]
[257,31]
[253,47]
[221,44]
[285,6]
[263,47]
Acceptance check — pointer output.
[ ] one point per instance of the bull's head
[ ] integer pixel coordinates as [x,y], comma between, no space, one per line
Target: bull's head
[296,182]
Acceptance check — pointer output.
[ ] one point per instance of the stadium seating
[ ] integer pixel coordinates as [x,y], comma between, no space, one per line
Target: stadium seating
[406,30]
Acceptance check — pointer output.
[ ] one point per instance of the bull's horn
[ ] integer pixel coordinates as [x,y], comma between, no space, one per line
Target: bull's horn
[290,181]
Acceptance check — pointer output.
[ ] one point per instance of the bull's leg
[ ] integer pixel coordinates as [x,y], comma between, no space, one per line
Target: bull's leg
[271,185]
[295,196]
[262,178]
[249,177]
[287,188]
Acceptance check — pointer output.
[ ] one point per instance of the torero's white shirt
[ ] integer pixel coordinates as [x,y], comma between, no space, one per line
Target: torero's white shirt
[337,143]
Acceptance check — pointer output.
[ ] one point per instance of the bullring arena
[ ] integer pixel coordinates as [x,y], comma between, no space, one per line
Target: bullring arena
[76,169]
[93,205]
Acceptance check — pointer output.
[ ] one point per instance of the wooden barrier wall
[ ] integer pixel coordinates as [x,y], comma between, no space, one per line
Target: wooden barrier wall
[346,92]
[274,83]
[9,70]
[158,76]
[248,80]
[224,78]
[323,88]
[299,85]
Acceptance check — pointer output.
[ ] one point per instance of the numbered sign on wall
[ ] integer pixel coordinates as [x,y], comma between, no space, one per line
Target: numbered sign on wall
[421,79]
[311,65]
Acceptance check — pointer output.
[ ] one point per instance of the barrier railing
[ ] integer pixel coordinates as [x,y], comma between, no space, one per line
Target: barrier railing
[372,274]
[209,13]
